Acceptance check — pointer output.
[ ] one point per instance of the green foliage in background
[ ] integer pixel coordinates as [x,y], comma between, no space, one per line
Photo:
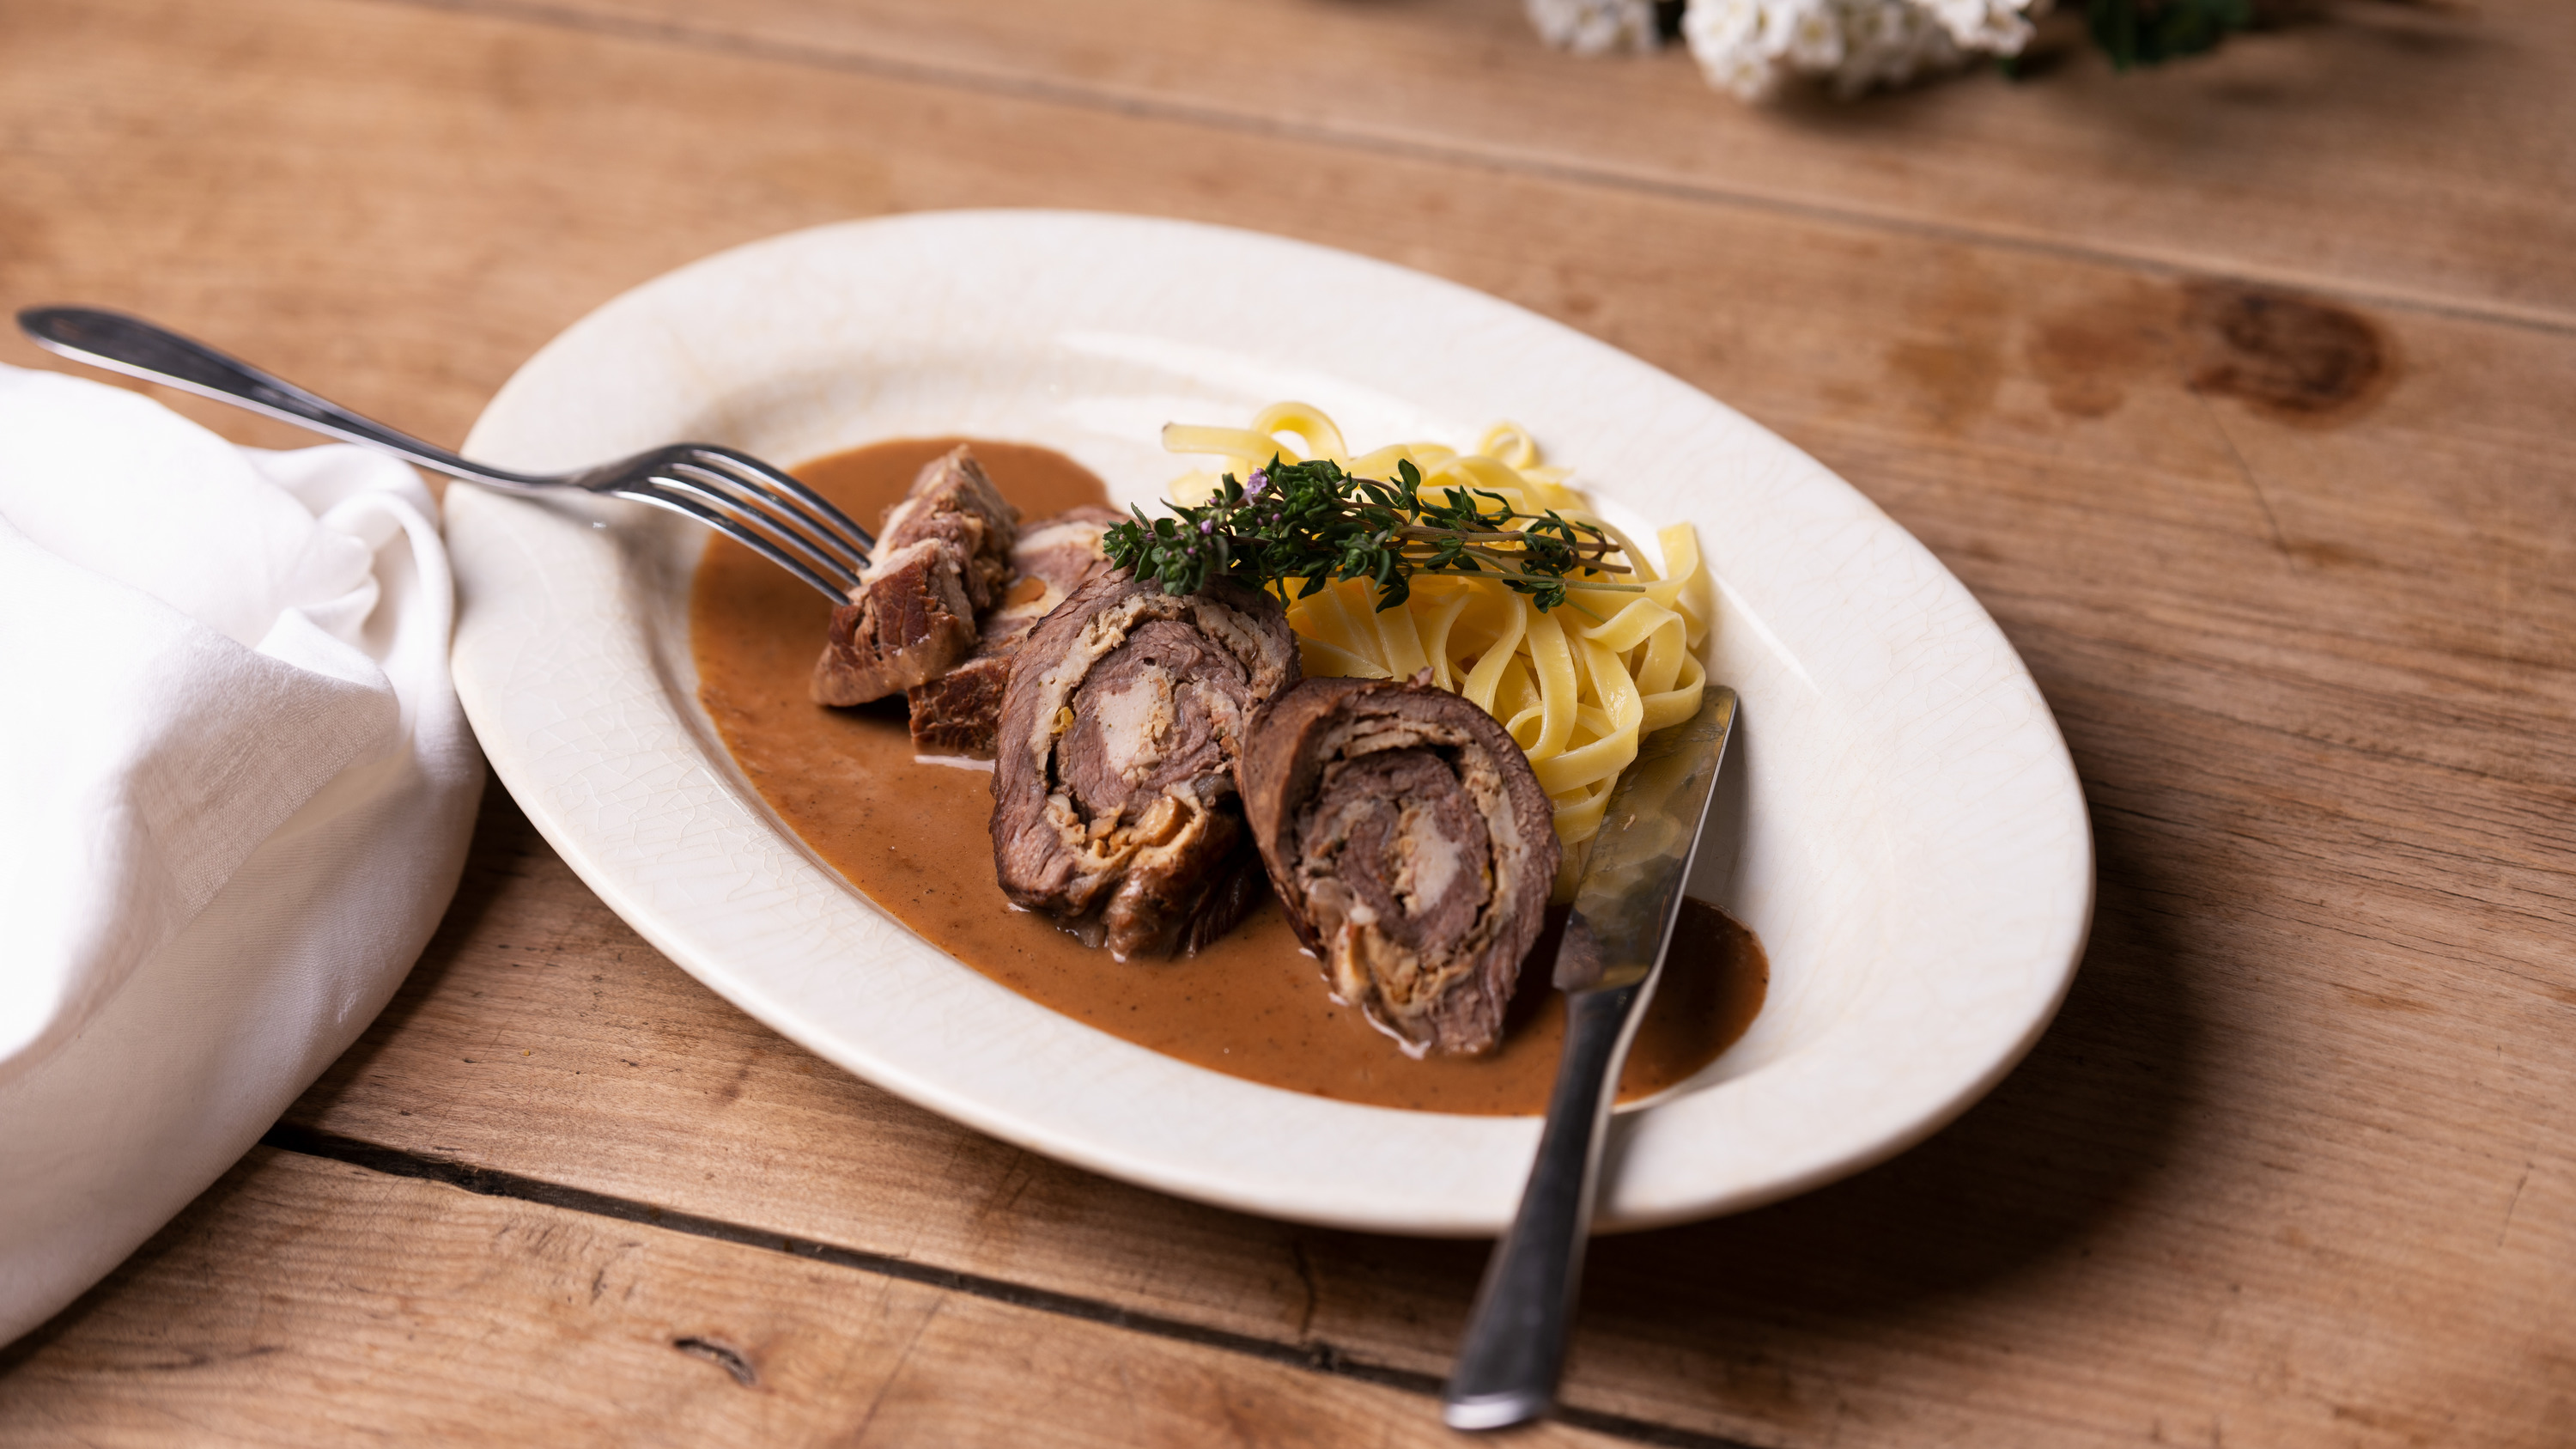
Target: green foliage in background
[2147,32]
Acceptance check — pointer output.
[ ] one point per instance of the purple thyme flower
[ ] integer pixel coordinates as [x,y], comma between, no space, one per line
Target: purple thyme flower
[1260,480]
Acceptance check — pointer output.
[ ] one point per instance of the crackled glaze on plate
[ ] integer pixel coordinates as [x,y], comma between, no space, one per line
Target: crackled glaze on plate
[1898,819]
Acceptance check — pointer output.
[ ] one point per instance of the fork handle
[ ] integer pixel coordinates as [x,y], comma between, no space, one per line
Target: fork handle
[137,348]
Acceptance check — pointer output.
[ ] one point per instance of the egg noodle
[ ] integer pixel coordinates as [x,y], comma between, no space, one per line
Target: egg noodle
[1577,686]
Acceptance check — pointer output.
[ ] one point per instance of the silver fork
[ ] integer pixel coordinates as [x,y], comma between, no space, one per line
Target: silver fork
[731,492]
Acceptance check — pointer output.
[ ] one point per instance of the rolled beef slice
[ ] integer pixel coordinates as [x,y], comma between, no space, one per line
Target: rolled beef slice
[955,715]
[1411,847]
[942,557]
[1114,804]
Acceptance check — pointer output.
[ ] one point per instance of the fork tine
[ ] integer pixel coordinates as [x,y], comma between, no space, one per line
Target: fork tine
[664,494]
[781,531]
[834,521]
[780,521]
[780,511]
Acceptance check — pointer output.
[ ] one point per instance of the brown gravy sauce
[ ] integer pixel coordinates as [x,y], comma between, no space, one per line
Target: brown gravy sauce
[914,839]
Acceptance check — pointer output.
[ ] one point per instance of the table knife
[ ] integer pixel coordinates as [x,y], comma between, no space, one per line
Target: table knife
[1612,952]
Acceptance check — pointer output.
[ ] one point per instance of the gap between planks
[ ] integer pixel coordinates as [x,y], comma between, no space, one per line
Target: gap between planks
[1314,1357]
[1041,90]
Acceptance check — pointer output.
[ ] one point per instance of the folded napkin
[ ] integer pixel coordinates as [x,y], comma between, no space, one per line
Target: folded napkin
[235,791]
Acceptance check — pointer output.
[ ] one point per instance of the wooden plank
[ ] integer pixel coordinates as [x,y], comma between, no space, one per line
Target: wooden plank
[540,1036]
[2289,1167]
[302,1301]
[2049,1271]
[2391,152]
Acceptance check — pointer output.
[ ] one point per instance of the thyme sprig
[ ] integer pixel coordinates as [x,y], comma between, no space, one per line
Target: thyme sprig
[1311,523]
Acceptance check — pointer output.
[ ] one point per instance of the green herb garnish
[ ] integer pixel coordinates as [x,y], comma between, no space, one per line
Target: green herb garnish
[1313,522]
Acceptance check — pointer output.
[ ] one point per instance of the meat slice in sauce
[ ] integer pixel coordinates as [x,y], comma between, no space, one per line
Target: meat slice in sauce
[955,715]
[1114,804]
[1411,847]
[941,558]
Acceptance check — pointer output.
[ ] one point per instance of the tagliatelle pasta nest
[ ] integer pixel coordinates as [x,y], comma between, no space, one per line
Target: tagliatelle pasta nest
[1577,686]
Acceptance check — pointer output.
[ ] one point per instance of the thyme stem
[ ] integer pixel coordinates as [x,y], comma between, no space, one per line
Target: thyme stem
[1313,523]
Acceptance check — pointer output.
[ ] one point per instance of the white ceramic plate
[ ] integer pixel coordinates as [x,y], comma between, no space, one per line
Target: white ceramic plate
[1899,821]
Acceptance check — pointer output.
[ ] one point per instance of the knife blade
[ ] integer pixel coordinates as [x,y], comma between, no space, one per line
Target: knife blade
[1612,951]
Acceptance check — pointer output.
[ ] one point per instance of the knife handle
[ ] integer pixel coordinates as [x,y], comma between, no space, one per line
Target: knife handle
[1514,1352]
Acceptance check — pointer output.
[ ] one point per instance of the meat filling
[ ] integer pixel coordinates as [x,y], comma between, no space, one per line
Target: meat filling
[1114,805]
[1398,845]
[955,715]
[1413,850]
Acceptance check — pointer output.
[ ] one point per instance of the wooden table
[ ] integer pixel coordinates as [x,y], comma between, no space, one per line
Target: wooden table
[2241,393]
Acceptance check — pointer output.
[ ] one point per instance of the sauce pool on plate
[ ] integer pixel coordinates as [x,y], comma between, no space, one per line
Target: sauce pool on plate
[913,838]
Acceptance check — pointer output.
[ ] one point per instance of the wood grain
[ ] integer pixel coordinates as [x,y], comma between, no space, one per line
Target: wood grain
[540,1036]
[2443,124]
[2061,1257]
[2293,1165]
[272,1313]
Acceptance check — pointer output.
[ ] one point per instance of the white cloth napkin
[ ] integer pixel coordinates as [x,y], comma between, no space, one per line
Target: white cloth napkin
[235,792]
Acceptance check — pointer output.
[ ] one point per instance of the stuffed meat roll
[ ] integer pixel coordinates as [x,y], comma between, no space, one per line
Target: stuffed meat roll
[1411,846]
[1114,800]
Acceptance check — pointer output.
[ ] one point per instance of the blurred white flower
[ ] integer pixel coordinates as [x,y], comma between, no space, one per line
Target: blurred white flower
[1995,27]
[1727,38]
[1726,24]
[1595,27]
[1815,39]
[1750,46]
